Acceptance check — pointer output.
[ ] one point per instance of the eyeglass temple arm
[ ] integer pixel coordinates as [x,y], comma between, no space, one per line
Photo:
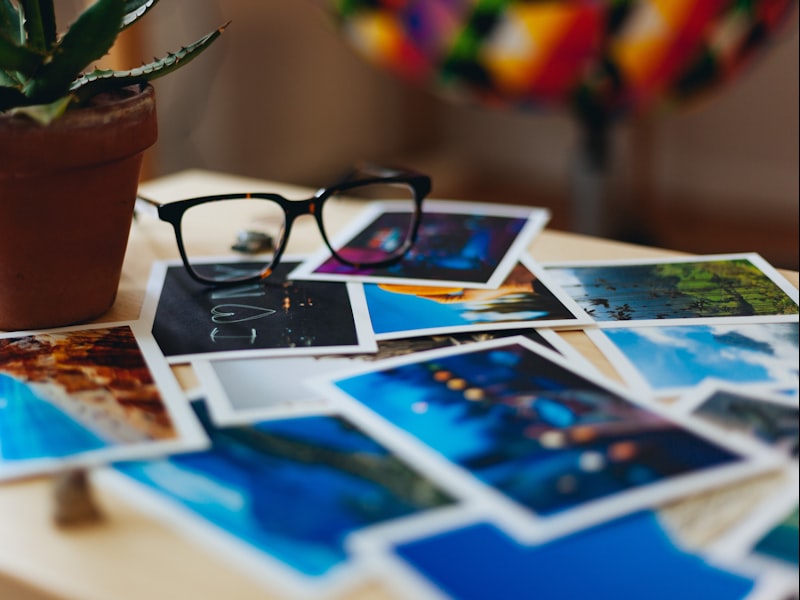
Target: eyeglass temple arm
[145,206]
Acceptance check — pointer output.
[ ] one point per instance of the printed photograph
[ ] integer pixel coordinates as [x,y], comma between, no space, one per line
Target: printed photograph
[523,299]
[771,418]
[669,360]
[461,244]
[246,389]
[479,560]
[766,538]
[558,444]
[86,396]
[276,317]
[290,490]
[781,541]
[721,286]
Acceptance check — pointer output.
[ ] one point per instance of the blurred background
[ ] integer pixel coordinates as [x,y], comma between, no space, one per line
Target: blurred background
[283,96]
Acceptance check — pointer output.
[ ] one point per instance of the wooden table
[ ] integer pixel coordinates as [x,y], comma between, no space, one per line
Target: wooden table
[132,556]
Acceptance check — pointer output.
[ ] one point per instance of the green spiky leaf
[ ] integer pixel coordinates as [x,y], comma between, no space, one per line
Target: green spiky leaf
[44,114]
[11,22]
[14,57]
[40,24]
[87,40]
[11,96]
[43,74]
[49,24]
[10,79]
[135,9]
[101,80]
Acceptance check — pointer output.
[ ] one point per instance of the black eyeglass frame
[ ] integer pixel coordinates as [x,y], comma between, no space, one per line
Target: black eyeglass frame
[420,184]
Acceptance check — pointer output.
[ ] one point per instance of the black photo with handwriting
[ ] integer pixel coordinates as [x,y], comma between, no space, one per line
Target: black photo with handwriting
[274,314]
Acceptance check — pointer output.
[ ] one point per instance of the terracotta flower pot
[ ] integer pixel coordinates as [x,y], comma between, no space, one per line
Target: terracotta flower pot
[67,192]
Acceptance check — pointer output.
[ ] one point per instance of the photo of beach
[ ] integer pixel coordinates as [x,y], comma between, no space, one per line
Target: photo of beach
[79,394]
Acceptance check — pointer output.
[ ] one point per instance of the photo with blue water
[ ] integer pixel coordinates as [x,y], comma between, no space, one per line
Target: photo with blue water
[293,489]
[522,298]
[32,427]
[68,397]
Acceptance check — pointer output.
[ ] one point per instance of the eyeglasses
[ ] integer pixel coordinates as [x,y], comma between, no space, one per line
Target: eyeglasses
[255,223]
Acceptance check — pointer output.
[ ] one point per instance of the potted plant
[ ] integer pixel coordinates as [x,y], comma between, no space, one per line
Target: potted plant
[71,147]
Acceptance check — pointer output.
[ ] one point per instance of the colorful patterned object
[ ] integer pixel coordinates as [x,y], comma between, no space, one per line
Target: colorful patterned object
[601,58]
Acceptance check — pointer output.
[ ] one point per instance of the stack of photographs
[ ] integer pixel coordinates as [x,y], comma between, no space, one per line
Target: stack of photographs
[428,424]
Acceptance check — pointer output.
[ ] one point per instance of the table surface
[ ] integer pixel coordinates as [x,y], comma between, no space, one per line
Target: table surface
[130,555]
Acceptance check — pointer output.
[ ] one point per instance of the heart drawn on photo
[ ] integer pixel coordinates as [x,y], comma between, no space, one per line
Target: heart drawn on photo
[238,313]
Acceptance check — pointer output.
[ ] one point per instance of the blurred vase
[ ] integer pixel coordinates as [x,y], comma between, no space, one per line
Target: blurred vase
[601,59]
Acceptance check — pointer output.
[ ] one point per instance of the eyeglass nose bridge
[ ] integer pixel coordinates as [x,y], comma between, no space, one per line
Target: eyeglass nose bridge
[308,206]
[301,207]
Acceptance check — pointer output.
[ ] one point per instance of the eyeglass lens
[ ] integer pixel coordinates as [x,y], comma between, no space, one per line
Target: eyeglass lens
[246,226]
[387,237]
[254,227]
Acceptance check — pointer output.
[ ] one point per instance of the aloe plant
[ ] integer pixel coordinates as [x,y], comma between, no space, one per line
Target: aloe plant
[43,73]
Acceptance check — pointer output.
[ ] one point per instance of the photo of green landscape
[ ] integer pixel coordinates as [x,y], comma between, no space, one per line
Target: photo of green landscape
[735,287]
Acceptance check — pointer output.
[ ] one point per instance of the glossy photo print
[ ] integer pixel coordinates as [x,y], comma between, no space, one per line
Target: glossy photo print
[246,389]
[766,538]
[516,423]
[780,541]
[669,360]
[85,396]
[277,317]
[280,498]
[523,299]
[459,244]
[761,414]
[734,286]
[629,557]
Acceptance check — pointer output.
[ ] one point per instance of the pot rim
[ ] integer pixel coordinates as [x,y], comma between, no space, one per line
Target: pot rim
[115,125]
